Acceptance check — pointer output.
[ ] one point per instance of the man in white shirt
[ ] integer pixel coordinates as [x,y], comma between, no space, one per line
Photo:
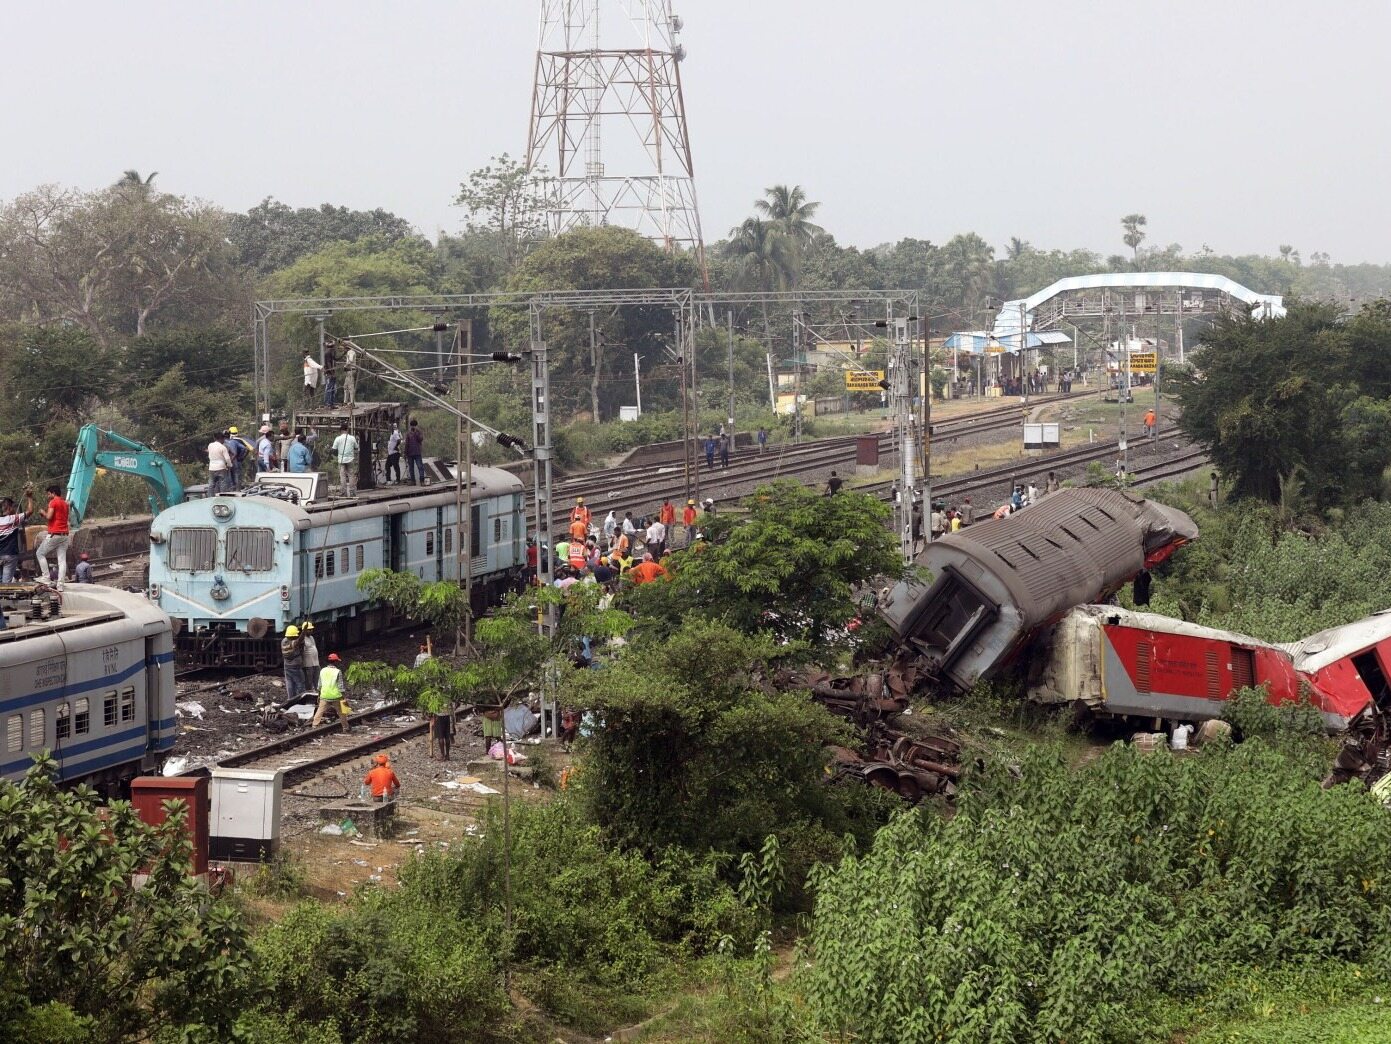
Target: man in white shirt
[393,454]
[350,374]
[656,539]
[265,449]
[311,376]
[610,527]
[219,466]
[345,452]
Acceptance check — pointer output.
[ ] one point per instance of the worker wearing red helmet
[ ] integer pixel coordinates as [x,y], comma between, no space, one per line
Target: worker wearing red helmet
[331,691]
[382,780]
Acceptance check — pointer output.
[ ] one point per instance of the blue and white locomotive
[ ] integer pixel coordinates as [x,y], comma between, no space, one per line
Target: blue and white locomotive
[234,571]
[89,677]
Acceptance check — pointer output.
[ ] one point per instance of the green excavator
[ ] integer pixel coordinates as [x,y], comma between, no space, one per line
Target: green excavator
[99,449]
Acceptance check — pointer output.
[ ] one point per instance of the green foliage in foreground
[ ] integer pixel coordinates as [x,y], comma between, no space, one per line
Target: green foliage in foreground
[592,927]
[84,953]
[1065,904]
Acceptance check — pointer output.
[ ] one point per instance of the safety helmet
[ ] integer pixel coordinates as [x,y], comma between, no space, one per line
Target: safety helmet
[232,430]
[292,631]
[333,658]
[308,625]
[382,759]
[579,500]
[690,503]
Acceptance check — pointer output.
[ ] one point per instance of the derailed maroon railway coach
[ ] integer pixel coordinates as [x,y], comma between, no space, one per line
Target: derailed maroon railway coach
[1119,662]
[997,584]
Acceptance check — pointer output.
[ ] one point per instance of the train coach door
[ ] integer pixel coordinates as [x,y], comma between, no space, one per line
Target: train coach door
[395,541]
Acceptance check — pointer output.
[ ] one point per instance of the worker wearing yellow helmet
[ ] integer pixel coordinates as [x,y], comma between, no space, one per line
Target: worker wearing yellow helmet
[580,513]
[292,653]
[241,451]
[688,518]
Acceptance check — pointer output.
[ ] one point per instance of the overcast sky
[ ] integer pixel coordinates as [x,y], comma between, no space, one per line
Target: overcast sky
[1241,124]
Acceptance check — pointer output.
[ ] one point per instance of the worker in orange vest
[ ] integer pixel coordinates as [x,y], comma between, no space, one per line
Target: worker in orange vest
[667,515]
[1149,422]
[688,517]
[579,529]
[647,571]
[382,780]
[577,558]
[580,513]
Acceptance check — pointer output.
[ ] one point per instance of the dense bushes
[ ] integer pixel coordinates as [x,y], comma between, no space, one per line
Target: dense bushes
[1062,904]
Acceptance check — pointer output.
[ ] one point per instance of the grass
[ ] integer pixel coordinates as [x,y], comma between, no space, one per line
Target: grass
[1336,1003]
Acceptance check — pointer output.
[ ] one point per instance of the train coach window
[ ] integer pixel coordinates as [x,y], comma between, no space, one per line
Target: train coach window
[475,532]
[331,564]
[63,721]
[497,530]
[343,561]
[448,540]
[319,566]
[192,549]
[128,704]
[36,729]
[250,549]
[14,733]
[108,710]
[429,544]
[361,558]
[82,717]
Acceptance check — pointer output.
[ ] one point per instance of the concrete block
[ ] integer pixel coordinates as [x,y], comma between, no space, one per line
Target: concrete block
[373,819]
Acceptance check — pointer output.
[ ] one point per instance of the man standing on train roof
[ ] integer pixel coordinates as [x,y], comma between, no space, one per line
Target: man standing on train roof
[292,657]
[393,453]
[415,449]
[382,780]
[330,374]
[310,650]
[84,569]
[265,450]
[238,448]
[311,376]
[345,452]
[332,692]
[219,465]
[300,457]
[350,374]
[580,512]
[56,542]
[11,528]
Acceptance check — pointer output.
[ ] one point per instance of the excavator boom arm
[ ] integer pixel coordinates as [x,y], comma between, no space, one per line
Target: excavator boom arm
[129,458]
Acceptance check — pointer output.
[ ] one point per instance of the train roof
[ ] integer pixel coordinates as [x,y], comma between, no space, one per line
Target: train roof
[1317,651]
[1117,616]
[84,605]
[484,482]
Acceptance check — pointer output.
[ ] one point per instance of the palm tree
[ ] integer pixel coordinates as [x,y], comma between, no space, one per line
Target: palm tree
[1132,223]
[131,181]
[790,212]
[763,258]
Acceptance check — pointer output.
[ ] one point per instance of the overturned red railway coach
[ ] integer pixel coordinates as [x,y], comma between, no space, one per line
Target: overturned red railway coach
[1116,661]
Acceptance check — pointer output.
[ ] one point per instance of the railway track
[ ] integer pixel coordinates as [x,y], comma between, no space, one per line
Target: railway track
[309,751]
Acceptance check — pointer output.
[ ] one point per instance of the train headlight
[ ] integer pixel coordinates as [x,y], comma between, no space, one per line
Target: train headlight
[222,511]
[154,592]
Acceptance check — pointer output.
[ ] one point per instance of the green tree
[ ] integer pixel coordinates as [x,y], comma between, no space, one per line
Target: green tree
[1299,394]
[596,259]
[78,935]
[1133,237]
[791,568]
[762,259]
[787,209]
[508,202]
[273,235]
[695,751]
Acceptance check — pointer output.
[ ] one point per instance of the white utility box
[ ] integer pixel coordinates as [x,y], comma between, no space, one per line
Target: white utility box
[1039,436]
[245,821]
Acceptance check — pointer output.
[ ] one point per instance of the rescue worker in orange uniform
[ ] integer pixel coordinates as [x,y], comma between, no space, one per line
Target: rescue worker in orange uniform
[688,517]
[579,529]
[385,786]
[646,571]
[580,513]
[667,515]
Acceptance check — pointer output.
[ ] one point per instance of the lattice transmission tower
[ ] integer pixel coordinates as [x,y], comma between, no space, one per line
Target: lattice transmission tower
[609,122]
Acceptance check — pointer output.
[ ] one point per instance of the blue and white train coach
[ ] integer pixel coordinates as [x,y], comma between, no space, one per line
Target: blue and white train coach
[89,679]
[234,571]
